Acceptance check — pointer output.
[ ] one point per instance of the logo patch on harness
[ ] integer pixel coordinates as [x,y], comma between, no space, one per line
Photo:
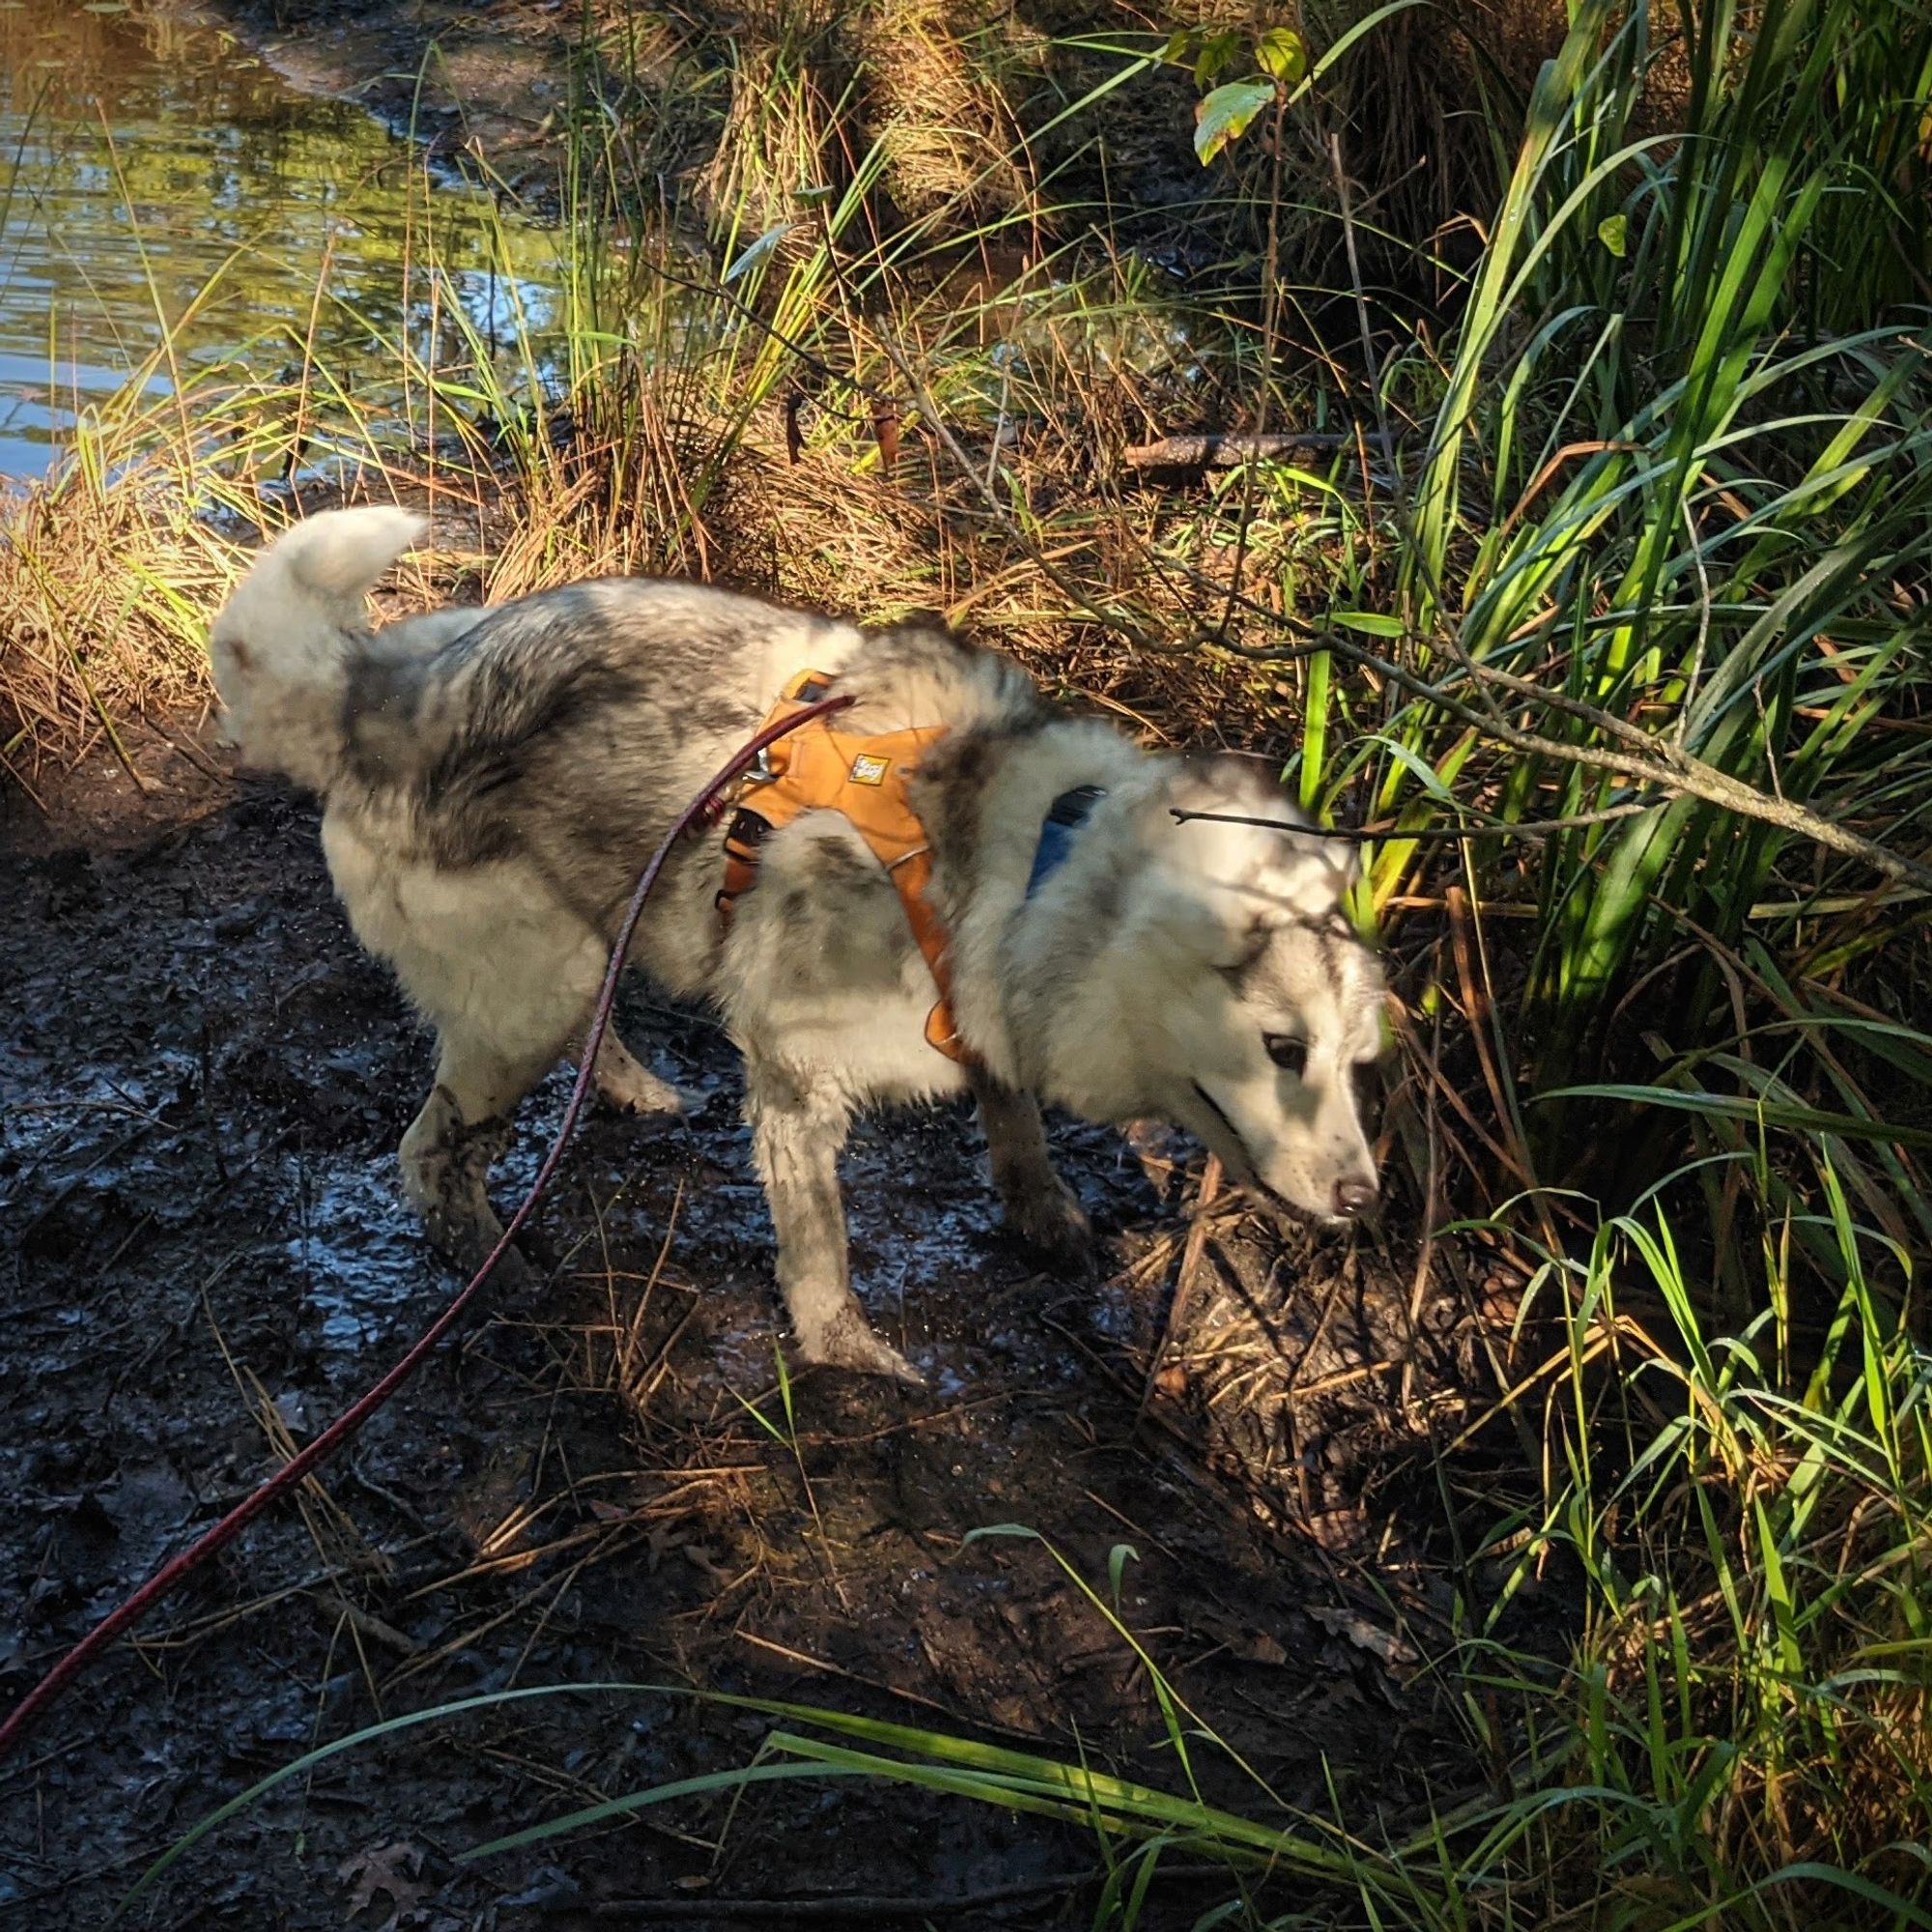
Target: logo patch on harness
[867,769]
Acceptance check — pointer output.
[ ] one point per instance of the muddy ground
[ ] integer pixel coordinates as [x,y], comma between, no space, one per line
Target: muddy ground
[203,1258]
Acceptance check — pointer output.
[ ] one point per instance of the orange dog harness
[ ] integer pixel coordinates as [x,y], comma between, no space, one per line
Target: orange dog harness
[863,779]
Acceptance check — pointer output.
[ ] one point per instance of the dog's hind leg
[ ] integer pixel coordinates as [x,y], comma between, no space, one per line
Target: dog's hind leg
[625,1083]
[1040,1207]
[796,1136]
[464,1126]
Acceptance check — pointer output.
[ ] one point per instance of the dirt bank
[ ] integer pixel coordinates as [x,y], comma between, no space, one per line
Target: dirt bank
[967,110]
[486,81]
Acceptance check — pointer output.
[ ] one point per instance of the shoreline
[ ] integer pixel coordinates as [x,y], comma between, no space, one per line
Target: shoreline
[478,90]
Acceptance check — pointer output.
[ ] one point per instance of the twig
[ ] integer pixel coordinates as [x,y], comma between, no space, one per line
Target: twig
[1184,1278]
[1670,770]
[1216,451]
[877,1684]
[1426,1254]
[1529,828]
[1369,358]
[1540,479]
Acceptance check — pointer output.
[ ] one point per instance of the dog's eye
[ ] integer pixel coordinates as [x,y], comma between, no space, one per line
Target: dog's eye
[1289,1055]
[1365,1085]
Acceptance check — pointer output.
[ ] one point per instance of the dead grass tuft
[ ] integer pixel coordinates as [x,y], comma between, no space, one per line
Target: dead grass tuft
[106,579]
[937,94]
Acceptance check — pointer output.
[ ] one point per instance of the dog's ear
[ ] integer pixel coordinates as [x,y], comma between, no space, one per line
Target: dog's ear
[1251,847]
[1310,875]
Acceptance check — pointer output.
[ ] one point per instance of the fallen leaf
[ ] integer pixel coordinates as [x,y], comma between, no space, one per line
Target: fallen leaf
[1260,1648]
[384,1872]
[1364,1635]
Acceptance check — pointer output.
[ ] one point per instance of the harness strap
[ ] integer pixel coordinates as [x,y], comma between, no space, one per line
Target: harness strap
[863,779]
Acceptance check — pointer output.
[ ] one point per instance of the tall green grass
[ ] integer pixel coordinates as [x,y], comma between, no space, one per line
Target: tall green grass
[1678,499]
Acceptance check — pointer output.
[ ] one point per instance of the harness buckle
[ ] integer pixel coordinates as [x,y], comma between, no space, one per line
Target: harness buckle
[746,833]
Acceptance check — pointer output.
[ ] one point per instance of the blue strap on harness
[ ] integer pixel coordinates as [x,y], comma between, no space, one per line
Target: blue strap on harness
[1064,816]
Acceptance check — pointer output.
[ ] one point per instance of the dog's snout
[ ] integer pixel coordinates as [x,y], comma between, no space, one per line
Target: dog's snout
[1353,1198]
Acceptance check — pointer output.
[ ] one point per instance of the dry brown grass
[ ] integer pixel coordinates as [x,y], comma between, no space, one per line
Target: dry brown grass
[105,582]
[679,458]
[939,99]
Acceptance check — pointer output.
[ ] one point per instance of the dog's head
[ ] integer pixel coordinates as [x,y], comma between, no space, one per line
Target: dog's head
[1262,1015]
[276,646]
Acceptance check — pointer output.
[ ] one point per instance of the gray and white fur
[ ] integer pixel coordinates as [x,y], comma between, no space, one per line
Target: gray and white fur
[493,777]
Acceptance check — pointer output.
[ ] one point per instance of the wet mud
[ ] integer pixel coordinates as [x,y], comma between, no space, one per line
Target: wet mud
[204,1258]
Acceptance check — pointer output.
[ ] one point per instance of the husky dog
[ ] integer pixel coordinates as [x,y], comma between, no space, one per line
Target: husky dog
[492,777]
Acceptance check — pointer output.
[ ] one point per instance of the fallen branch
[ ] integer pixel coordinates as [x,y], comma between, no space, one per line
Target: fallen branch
[1229,452]
[1182,1306]
[1363,834]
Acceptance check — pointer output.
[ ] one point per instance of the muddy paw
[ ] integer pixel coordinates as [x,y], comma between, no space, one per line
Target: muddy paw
[624,1082]
[639,1090]
[848,1342]
[513,1277]
[466,1244]
[1056,1226]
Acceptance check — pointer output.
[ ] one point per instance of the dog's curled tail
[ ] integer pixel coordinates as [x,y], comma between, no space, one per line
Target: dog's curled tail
[279,643]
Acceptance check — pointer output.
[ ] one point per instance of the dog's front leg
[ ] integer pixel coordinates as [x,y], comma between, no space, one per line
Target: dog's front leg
[796,1136]
[1039,1206]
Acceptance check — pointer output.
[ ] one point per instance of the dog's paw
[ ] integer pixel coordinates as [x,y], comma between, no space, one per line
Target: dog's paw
[1055,1225]
[846,1342]
[514,1277]
[637,1090]
[467,1243]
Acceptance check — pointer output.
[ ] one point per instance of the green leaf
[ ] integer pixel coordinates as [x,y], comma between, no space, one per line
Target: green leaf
[1224,115]
[1376,623]
[1614,234]
[1282,53]
[1750,1113]
[1175,51]
[758,251]
[1018,1529]
[1217,49]
[634,1802]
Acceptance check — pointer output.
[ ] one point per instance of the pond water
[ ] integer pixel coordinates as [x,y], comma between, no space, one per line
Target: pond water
[169,205]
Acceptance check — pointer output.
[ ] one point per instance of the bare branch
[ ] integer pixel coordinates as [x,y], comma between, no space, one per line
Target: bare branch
[1362,834]
[1216,451]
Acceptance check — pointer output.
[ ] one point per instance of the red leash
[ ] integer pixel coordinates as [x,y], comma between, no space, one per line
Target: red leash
[702,810]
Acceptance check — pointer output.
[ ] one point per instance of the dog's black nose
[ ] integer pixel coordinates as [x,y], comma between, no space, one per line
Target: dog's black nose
[1353,1198]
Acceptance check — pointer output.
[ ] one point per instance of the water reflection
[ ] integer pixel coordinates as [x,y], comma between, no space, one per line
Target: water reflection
[158,178]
